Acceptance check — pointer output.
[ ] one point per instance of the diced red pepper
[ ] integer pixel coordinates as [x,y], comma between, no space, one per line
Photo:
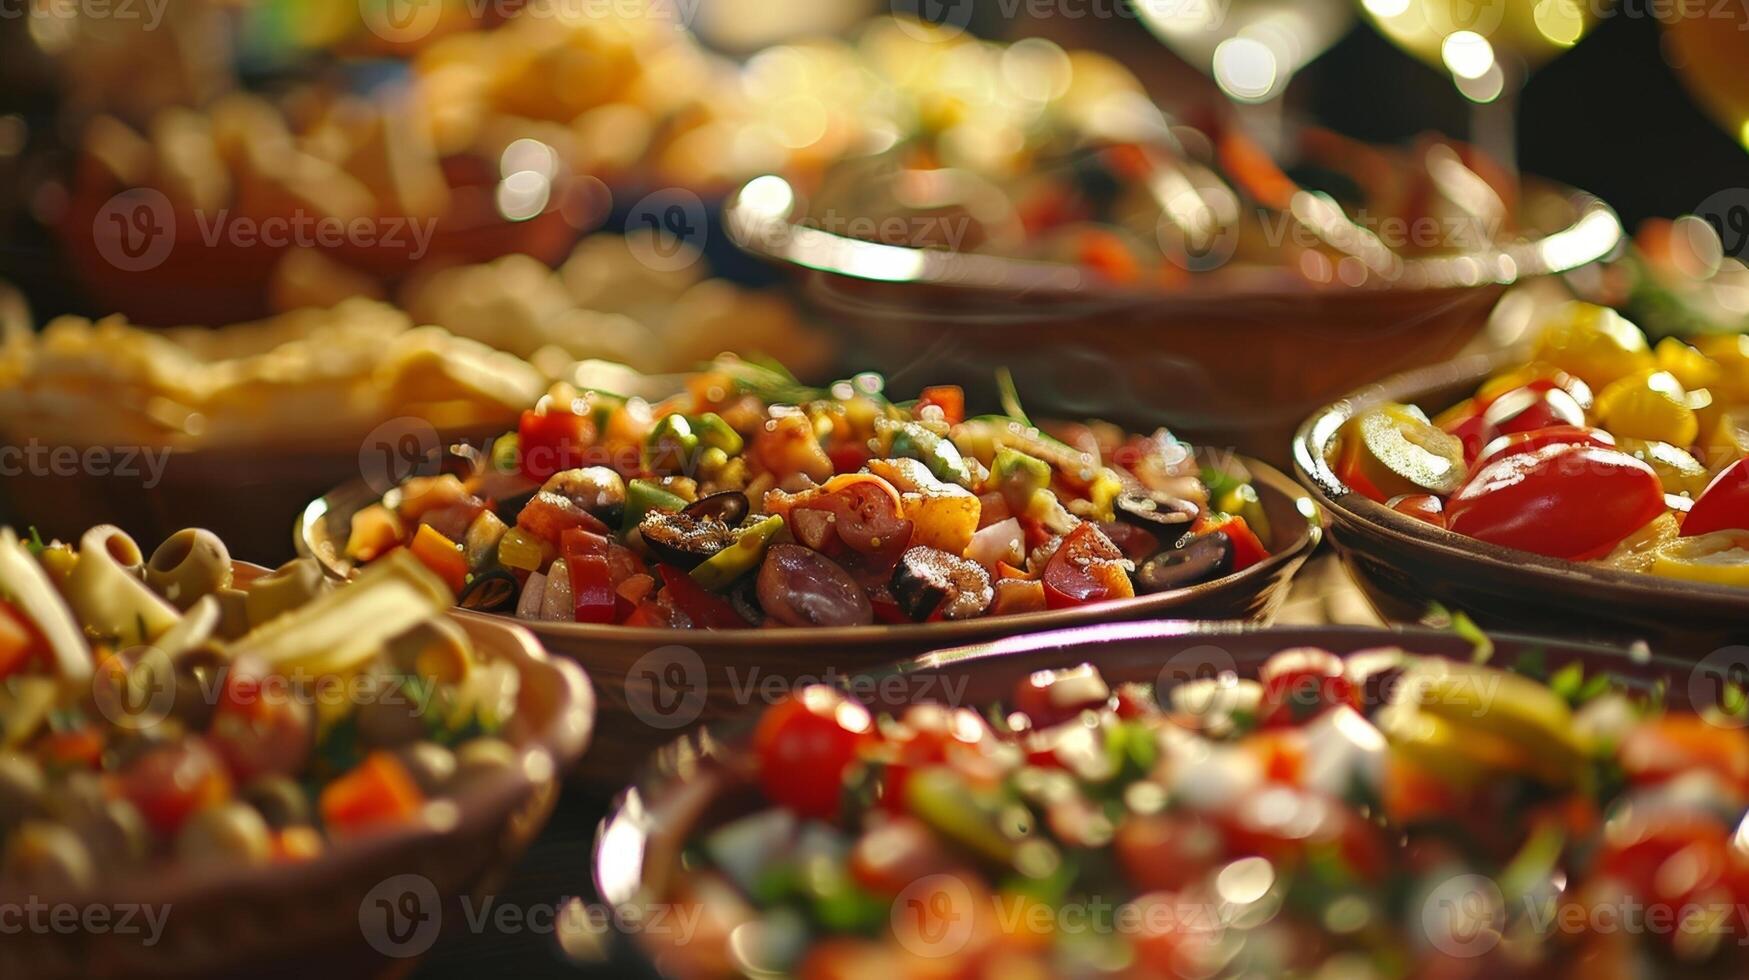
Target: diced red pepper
[592,591]
[706,609]
[18,641]
[549,442]
[379,792]
[951,399]
[1248,549]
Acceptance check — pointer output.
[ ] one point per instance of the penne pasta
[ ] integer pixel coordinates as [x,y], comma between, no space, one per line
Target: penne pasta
[109,598]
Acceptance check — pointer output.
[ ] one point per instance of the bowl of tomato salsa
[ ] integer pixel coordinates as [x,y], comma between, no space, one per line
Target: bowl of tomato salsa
[1164,800]
[1589,483]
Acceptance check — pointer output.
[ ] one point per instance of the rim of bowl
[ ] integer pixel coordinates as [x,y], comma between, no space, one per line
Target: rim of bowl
[548,753]
[312,543]
[784,238]
[626,828]
[1413,387]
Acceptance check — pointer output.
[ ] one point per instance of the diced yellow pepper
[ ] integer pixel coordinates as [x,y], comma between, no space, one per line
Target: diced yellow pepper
[943,517]
[1650,405]
[1676,469]
[1690,366]
[1595,344]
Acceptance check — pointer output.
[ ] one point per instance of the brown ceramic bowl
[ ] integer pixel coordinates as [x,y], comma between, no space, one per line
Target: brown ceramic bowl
[703,781]
[655,683]
[1404,564]
[320,918]
[1235,358]
[246,494]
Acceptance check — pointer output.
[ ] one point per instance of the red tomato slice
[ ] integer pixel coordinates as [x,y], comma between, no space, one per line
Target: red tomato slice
[1564,501]
[1530,408]
[549,442]
[1723,505]
[1085,569]
[1524,442]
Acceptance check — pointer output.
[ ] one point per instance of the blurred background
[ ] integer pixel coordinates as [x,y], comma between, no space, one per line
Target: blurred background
[1647,115]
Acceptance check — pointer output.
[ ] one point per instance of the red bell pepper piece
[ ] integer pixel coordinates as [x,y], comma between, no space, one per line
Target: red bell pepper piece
[1723,505]
[706,609]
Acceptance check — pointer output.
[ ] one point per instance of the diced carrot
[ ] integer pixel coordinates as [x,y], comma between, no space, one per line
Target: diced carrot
[379,792]
[442,556]
[18,641]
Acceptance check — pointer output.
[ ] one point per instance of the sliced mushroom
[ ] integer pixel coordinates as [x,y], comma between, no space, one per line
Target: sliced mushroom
[684,541]
[929,582]
[597,489]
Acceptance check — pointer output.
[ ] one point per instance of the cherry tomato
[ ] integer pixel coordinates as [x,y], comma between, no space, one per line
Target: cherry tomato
[1524,442]
[167,784]
[551,441]
[1662,748]
[1563,501]
[1282,823]
[1638,847]
[1168,851]
[806,743]
[1723,505]
[1051,697]
[1421,506]
[1301,684]
[1532,407]
[260,729]
[892,854]
[1085,569]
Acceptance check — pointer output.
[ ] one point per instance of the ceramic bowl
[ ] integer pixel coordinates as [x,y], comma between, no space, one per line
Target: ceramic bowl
[1404,564]
[655,683]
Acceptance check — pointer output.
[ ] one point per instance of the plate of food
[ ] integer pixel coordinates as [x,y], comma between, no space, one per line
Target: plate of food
[1172,799]
[750,527]
[236,758]
[1590,484]
[1157,246]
